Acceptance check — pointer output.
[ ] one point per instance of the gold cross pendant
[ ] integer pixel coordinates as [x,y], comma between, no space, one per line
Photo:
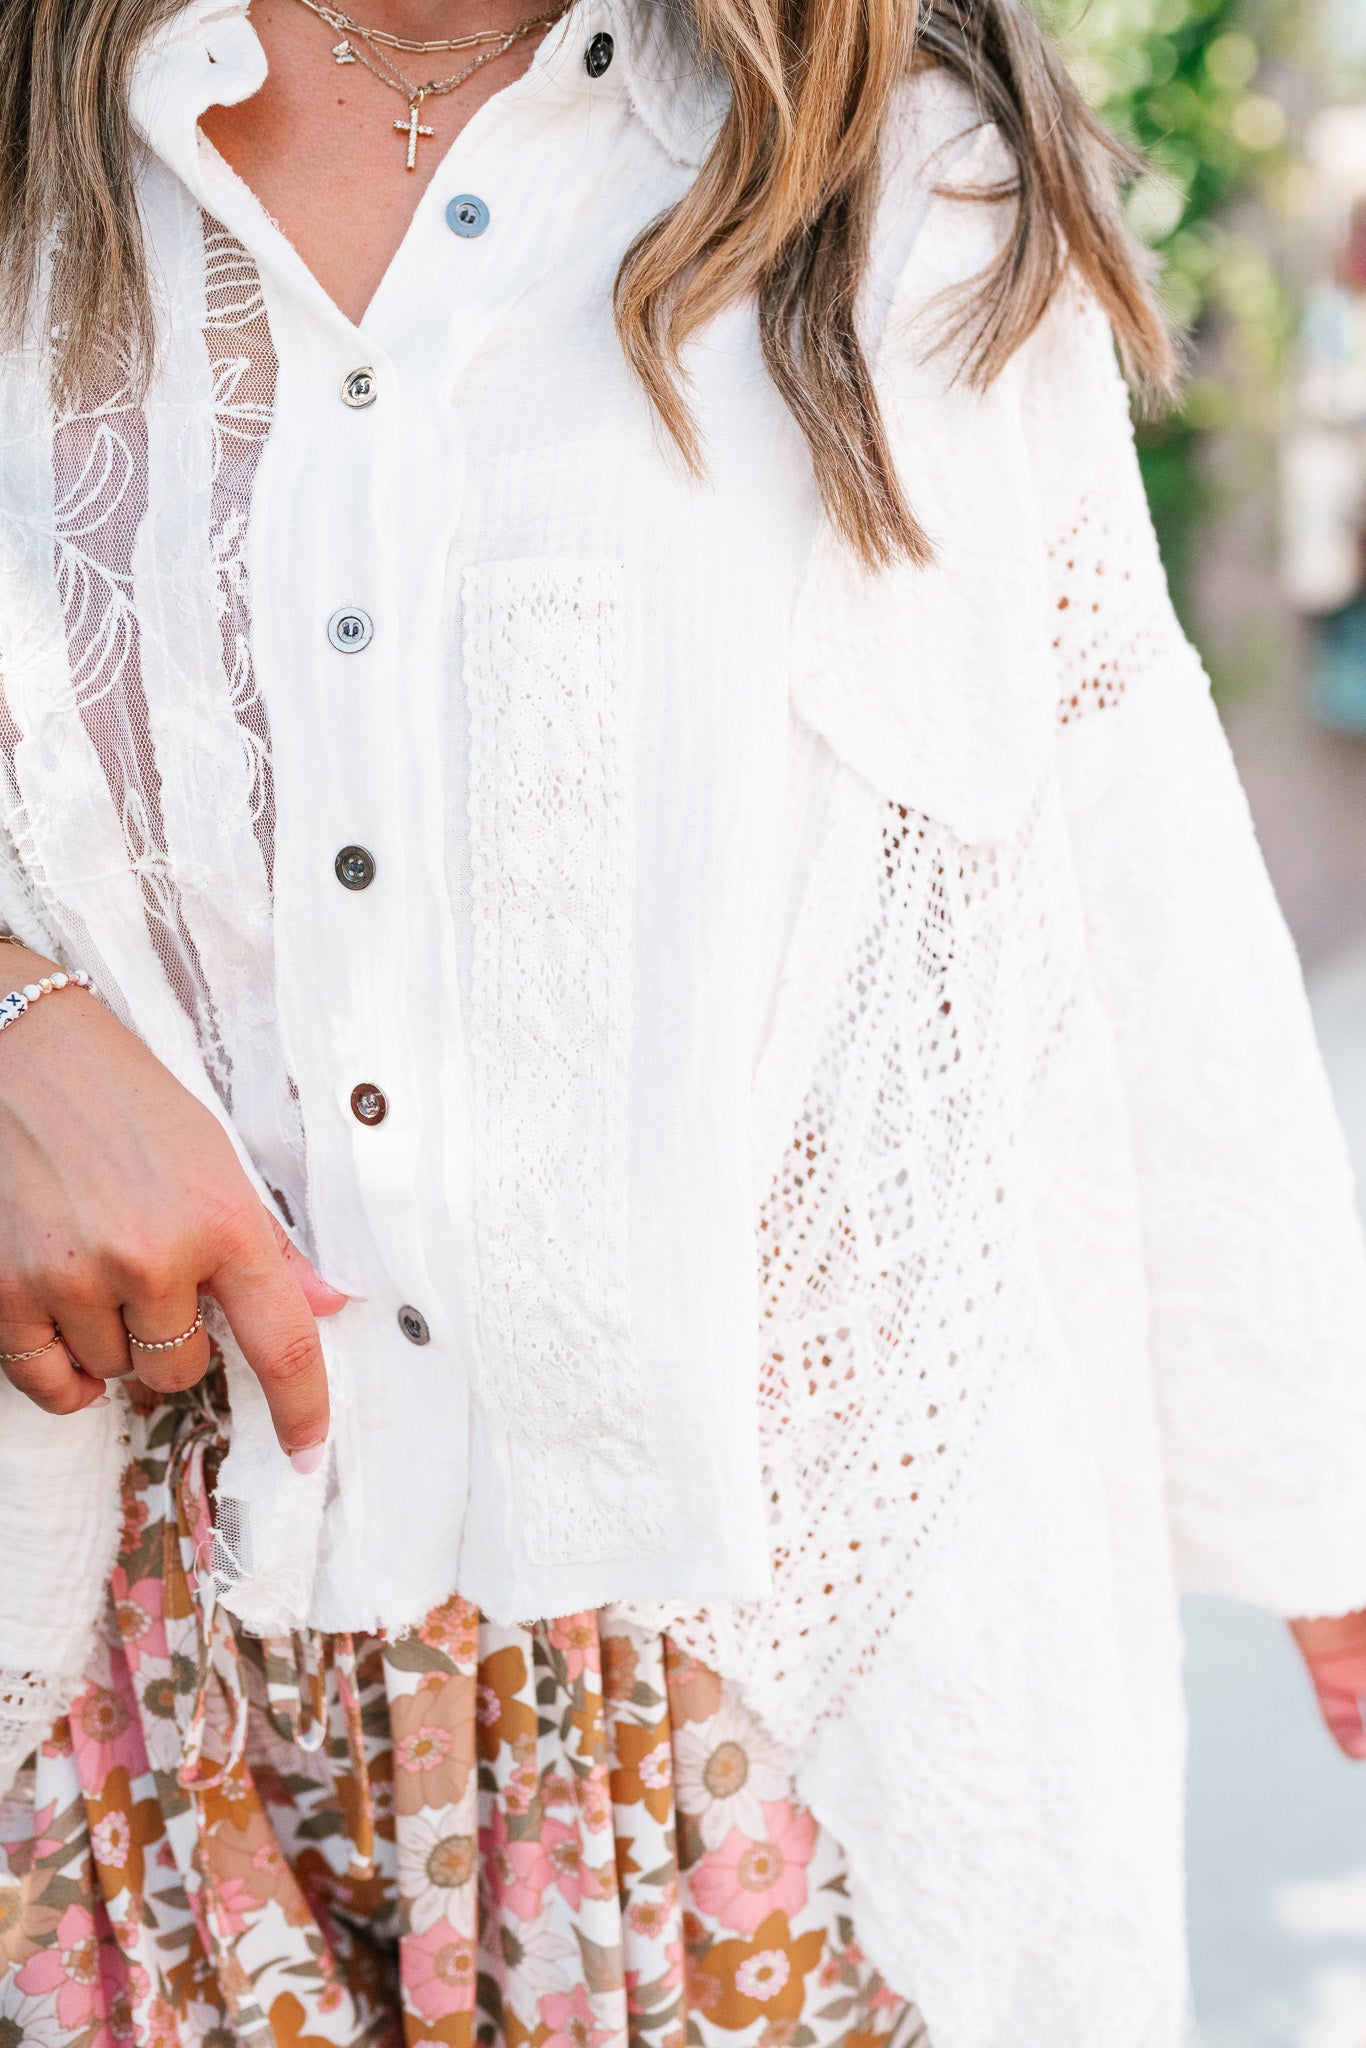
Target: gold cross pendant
[412,128]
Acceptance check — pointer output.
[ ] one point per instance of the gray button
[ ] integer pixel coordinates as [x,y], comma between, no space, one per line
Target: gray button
[598,55]
[350,629]
[360,388]
[369,1104]
[414,1325]
[355,866]
[467,215]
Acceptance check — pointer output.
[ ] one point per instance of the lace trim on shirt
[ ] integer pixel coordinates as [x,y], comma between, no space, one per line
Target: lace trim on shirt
[243,365]
[552,863]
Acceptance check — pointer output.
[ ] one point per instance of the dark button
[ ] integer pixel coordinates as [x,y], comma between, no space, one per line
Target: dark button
[598,55]
[350,629]
[355,866]
[360,388]
[369,1104]
[414,1325]
[467,215]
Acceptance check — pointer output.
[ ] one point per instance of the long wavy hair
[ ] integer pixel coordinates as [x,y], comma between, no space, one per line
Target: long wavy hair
[780,211]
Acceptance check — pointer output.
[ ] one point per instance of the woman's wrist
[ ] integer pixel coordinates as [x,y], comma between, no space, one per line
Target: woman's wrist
[20,1001]
[19,964]
[27,978]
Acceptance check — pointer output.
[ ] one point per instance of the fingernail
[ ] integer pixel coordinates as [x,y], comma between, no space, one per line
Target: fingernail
[100,1401]
[307,1461]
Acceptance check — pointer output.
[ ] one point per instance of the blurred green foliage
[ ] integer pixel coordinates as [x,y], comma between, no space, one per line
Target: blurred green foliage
[1187,82]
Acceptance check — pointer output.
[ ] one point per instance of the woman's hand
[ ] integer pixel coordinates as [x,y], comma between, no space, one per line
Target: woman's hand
[123,1203]
[1334,1649]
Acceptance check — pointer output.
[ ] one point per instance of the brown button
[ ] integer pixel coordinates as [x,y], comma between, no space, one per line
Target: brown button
[369,1104]
[355,867]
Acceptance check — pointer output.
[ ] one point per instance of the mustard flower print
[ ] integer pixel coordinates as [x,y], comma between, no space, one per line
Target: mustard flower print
[619,1661]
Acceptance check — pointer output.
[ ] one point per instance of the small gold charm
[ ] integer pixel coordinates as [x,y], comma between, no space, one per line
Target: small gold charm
[343,52]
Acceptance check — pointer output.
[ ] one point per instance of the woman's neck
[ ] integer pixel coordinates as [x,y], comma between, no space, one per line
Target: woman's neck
[322,144]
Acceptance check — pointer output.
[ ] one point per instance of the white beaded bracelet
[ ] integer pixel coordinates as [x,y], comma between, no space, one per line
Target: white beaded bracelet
[14,1005]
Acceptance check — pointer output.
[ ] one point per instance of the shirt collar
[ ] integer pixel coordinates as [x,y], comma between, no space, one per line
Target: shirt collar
[679,92]
[207,54]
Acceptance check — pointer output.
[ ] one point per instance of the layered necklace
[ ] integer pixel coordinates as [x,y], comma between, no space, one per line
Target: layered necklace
[367,46]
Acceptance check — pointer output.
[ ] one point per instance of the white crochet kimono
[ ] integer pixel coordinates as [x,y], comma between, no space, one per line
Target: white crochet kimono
[917,917]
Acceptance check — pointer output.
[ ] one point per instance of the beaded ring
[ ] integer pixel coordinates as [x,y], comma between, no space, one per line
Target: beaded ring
[169,1343]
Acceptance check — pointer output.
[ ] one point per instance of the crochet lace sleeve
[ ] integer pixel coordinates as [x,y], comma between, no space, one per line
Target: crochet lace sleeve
[1254,1253]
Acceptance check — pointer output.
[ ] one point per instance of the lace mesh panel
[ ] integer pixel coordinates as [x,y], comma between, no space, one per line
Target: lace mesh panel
[243,364]
[147,520]
[100,466]
[890,1249]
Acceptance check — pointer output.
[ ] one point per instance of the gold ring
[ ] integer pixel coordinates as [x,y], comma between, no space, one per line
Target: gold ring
[170,1343]
[15,1357]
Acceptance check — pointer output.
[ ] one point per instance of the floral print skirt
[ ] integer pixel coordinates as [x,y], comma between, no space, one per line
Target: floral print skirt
[565,1835]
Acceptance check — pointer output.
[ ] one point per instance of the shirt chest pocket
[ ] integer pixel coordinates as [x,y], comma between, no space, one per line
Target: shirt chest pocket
[935,683]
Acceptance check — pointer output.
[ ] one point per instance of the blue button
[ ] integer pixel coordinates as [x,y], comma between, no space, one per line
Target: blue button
[467,215]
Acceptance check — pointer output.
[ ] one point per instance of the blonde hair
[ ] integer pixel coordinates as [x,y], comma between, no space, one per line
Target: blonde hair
[781,210]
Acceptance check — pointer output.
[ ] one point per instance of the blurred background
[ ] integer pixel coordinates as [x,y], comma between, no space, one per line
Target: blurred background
[1252,116]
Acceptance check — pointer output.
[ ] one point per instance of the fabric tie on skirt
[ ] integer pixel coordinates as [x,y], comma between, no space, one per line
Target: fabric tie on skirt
[564,1835]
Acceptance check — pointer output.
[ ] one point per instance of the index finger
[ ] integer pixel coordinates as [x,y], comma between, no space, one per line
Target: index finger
[274,1325]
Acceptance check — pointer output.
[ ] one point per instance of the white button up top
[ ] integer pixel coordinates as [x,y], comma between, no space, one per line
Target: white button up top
[581,890]
[498,642]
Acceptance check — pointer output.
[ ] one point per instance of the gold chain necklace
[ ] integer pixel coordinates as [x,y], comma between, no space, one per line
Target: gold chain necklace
[388,74]
[345,26]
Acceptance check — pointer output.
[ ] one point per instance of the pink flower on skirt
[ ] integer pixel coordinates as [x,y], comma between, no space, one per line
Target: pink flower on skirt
[570,2020]
[744,1881]
[437,1969]
[234,1906]
[595,1803]
[518,1872]
[138,1611]
[106,1732]
[564,1853]
[577,1636]
[71,1969]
